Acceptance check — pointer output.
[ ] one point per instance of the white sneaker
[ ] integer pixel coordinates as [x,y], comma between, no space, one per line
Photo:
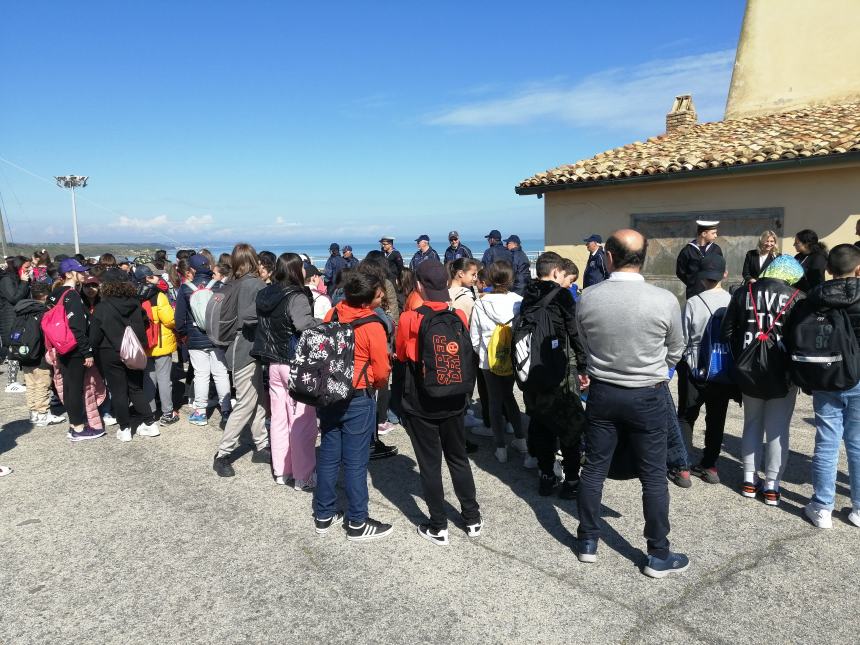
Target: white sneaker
[557,470]
[15,388]
[46,418]
[502,455]
[280,480]
[819,516]
[530,462]
[509,428]
[306,485]
[482,431]
[34,416]
[151,430]
[123,434]
[520,446]
[109,421]
[854,516]
[53,418]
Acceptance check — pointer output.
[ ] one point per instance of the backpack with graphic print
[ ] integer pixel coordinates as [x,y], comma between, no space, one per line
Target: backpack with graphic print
[445,355]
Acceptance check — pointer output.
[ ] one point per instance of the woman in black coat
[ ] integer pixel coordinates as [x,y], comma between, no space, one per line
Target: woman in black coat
[14,287]
[812,256]
[759,258]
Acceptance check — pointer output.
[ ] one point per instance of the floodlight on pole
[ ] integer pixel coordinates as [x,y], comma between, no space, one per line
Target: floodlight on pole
[71,182]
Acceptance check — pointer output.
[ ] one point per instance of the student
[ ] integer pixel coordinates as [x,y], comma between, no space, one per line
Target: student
[693,393]
[160,357]
[283,312]
[90,294]
[207,360]
[120,308]
[37,372]
[41,269]
[498,308]
[521,264]
[571,275]
[246,370]
[347,427]
[812,256]
[463,274]
[267,261]
[75,362]
[769,404]
[837,414]
[435,424]
[555,411]
[14,287]
[412,299]
[313,281]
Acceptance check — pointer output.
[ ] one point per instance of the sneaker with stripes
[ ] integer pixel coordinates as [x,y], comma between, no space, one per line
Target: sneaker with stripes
[368,530]
[322,526]
[438,537]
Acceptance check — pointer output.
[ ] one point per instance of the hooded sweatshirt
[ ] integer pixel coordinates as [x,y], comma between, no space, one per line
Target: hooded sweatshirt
[371,345]
[36,309]
[111,317]
[841,293]
[491,310]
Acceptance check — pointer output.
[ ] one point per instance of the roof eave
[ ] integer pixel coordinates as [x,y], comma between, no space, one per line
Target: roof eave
[696,174]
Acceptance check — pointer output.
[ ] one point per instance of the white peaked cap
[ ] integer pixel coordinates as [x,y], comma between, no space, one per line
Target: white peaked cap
[708,223]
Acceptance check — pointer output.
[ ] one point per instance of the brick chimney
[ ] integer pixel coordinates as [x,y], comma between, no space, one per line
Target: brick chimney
[682,117]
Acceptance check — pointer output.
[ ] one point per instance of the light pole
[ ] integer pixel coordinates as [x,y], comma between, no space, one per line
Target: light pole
[71,182]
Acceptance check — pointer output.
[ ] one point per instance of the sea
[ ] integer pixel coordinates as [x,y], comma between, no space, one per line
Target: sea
[319,253]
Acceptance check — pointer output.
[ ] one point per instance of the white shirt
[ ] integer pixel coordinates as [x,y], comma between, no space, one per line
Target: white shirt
[626,276]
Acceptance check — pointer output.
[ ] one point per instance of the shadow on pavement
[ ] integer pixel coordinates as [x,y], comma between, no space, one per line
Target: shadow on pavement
[11,431]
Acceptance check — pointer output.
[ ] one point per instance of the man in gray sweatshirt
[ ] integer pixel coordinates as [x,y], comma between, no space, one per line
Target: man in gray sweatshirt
[632,336]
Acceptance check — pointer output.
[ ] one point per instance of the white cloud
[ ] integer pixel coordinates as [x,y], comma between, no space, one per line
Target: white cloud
[163,224]
[611,99]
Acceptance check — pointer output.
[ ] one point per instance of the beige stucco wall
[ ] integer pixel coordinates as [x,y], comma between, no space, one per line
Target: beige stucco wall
[825,199]
[793,53]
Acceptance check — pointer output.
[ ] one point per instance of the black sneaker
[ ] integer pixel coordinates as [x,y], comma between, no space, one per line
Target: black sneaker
[439,537]
[370,529]
[547,484]
[569,489]
[262,456]
[223,467]
[168,419]
[322,526]
[471,447]
[379,450]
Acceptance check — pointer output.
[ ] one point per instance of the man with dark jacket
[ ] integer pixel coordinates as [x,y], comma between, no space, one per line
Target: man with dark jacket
[836,413]
[395,260]
[595,269]
[690,258]
[425,252]
[556,414]
[496,250]
[333,266]
[349,260]
[207,360]
[455,249]
[520,262]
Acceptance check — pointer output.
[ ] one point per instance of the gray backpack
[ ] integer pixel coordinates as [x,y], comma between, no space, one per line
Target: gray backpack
[222,314]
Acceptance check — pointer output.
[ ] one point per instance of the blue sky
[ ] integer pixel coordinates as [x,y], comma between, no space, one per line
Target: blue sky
[280,121]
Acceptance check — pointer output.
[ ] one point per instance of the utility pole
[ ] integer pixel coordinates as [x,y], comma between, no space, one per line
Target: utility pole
[71,182]
[3,235]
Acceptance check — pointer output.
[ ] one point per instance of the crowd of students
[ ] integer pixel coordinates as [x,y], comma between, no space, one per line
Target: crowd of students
[346,353]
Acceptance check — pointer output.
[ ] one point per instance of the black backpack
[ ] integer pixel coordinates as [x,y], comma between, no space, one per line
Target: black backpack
[324,364]
[823,349]
[761,369]
[446,364]
[540,357]
[25,341]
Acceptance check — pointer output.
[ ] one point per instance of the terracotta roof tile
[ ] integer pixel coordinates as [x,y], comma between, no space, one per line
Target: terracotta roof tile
[809,132]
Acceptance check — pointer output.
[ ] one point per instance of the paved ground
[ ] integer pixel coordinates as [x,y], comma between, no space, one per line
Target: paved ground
[141,542]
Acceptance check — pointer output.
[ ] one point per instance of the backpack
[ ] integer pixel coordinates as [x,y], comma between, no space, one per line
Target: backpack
[823,349]
[153,329]
[25,340]
[55,326]
[324,363]
[446,358]
[222,314]
[762,367]
[499,349]
[131,352]
[714,362]
[540,359]
[198,302]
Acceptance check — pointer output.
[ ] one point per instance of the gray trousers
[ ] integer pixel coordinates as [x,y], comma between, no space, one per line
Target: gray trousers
[249,408]
[157,374]
[767,419]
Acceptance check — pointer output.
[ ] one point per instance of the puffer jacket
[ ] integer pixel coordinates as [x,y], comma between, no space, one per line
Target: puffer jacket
[283,313]
[12,291]
[489,311]
[841,293]
[184,323]
[163,318]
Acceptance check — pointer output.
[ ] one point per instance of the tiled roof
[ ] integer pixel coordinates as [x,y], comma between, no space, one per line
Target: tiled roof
[818,131]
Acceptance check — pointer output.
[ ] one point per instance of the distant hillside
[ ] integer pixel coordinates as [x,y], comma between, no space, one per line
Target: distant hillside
[127,249]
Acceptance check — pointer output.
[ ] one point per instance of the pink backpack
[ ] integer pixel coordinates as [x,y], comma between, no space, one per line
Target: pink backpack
[55,326]
[131,352]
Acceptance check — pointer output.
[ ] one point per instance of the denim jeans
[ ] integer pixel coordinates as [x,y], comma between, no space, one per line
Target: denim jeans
[641,414]
[837,417]
[347,429]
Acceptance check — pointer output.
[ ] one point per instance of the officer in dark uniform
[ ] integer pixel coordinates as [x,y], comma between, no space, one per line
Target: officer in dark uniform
[690,258]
